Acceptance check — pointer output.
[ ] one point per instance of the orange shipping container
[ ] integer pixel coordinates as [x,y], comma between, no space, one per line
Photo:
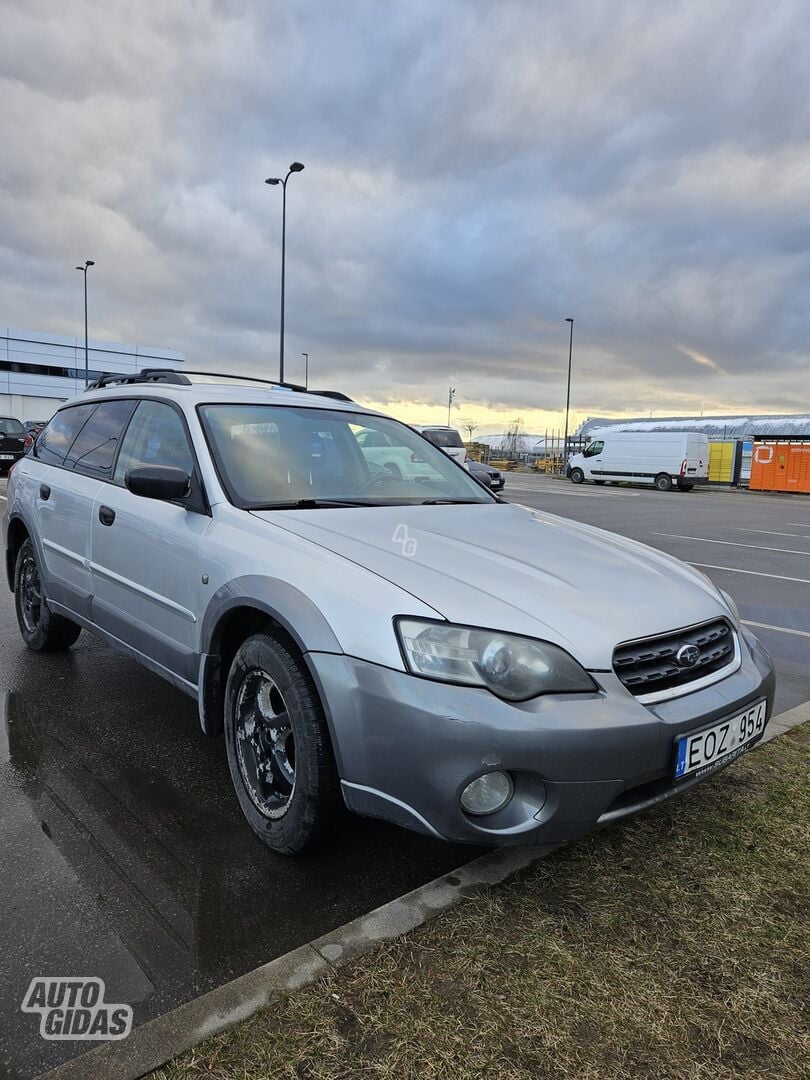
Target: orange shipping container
[781,467]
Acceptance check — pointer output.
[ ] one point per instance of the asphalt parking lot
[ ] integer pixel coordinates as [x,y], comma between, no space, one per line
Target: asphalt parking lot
[124,852]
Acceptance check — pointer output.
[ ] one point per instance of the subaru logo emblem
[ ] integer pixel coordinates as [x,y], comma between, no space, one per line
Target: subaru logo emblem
[687,656]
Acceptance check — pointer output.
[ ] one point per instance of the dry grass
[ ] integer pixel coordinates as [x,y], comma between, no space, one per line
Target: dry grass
[675,945]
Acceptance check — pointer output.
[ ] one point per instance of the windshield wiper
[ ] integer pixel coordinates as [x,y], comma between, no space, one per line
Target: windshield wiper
[314,504]
[450,502]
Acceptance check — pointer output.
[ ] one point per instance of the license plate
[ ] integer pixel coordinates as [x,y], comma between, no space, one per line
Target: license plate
[6,457]
[701,751]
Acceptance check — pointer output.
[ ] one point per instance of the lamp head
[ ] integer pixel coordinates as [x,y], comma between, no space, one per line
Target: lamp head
[296,167]
[569,320]
[272,180]
[89,262]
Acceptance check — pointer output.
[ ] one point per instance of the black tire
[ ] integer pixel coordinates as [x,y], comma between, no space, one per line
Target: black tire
[663,482]
[577,476]
[684,486]
[41,629]
[279,749]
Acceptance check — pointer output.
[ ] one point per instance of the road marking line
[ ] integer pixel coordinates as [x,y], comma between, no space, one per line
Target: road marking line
[801,524]
[733,543]
[3,498]
[781,629]
[772,532]
[755,573]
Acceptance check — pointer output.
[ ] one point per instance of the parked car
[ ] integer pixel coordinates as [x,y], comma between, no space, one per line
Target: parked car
[493,478]
[660,458]
[32,429]
[379,449]
[12,438]
[447,439]
[410,647]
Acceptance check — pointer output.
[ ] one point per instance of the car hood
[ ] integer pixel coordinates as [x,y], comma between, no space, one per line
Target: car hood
[514,569]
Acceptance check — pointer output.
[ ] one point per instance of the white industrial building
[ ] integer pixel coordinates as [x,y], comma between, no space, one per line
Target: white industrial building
[38,371]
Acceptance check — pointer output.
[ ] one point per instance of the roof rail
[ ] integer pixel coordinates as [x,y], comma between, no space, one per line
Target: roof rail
[338,395]
[181,378]
[145,375]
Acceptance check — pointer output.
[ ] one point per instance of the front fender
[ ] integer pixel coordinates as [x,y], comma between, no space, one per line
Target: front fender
[284,603]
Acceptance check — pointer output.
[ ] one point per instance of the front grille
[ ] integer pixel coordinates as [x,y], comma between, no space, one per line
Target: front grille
[649,665]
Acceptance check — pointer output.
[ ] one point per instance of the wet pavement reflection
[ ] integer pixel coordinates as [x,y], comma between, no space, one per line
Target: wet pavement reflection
[124,854]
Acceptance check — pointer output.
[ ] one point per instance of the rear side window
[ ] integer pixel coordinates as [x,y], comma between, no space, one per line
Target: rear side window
[155,436]
[57,438]
[443,437]
[9,426]
[94,449]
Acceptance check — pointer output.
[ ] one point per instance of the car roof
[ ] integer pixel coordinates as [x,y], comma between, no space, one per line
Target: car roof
[200,393]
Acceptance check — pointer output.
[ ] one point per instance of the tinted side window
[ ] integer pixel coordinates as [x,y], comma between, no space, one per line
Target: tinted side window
[155,436]
[55,441]
[94,448]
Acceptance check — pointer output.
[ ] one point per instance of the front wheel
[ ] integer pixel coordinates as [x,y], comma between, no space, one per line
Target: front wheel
[41,629]
[577,476]
[663,482]
[279,749]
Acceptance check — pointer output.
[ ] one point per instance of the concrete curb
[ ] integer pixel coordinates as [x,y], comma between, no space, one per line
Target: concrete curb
[158,1041]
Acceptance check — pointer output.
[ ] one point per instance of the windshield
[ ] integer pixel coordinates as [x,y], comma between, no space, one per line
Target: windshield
[277,456]
[10,427]
[443,436]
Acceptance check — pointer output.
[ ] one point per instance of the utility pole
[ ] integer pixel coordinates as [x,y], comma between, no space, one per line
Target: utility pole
[294,168]
[450,397]
[306,370]
[88,263]
[568,393]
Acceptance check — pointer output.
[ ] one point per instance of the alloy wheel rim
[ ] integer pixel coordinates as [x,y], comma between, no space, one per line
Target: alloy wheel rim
[265,744]
[30,595]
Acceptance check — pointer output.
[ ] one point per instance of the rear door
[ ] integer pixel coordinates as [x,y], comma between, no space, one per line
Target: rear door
[145,552]
[63,504]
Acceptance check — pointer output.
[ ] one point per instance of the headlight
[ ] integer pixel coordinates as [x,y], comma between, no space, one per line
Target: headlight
[732,607]
[515,668]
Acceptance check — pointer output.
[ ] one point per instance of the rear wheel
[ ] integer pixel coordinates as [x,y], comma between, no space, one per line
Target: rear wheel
[577,476]
[41,629]
[279,750]
[663,482]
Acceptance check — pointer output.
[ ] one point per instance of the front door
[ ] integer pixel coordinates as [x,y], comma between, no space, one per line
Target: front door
[145,552]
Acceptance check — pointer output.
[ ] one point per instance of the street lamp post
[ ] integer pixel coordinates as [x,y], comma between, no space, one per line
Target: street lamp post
[89,262]
[306,370]
[568,392]
[295,167]
[450,396]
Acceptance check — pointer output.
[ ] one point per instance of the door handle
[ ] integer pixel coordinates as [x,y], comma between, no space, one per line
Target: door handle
[44,492]
[106,515]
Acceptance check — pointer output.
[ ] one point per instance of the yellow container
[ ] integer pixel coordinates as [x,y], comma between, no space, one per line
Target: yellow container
[721,462]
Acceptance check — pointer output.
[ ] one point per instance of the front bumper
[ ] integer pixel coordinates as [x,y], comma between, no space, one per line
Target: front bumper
[406,747]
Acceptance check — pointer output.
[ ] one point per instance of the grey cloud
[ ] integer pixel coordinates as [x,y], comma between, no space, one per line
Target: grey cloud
[475,173]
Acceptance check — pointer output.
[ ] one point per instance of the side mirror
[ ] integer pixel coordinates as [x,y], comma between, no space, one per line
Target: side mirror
[164,482]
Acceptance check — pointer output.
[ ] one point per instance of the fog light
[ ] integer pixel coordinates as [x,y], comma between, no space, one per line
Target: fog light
[488,793]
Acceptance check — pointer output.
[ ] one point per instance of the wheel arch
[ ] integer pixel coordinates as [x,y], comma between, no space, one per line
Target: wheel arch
[245,607]
[16,535]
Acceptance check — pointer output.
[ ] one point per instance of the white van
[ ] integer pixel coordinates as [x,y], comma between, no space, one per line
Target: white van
[660,458]
[447,439]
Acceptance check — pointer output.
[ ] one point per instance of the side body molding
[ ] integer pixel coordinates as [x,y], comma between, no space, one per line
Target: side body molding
[288,606]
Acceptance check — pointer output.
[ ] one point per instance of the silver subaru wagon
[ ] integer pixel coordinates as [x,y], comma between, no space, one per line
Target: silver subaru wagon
[326,607]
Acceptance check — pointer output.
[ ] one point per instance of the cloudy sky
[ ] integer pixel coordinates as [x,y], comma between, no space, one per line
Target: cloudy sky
[475,172]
